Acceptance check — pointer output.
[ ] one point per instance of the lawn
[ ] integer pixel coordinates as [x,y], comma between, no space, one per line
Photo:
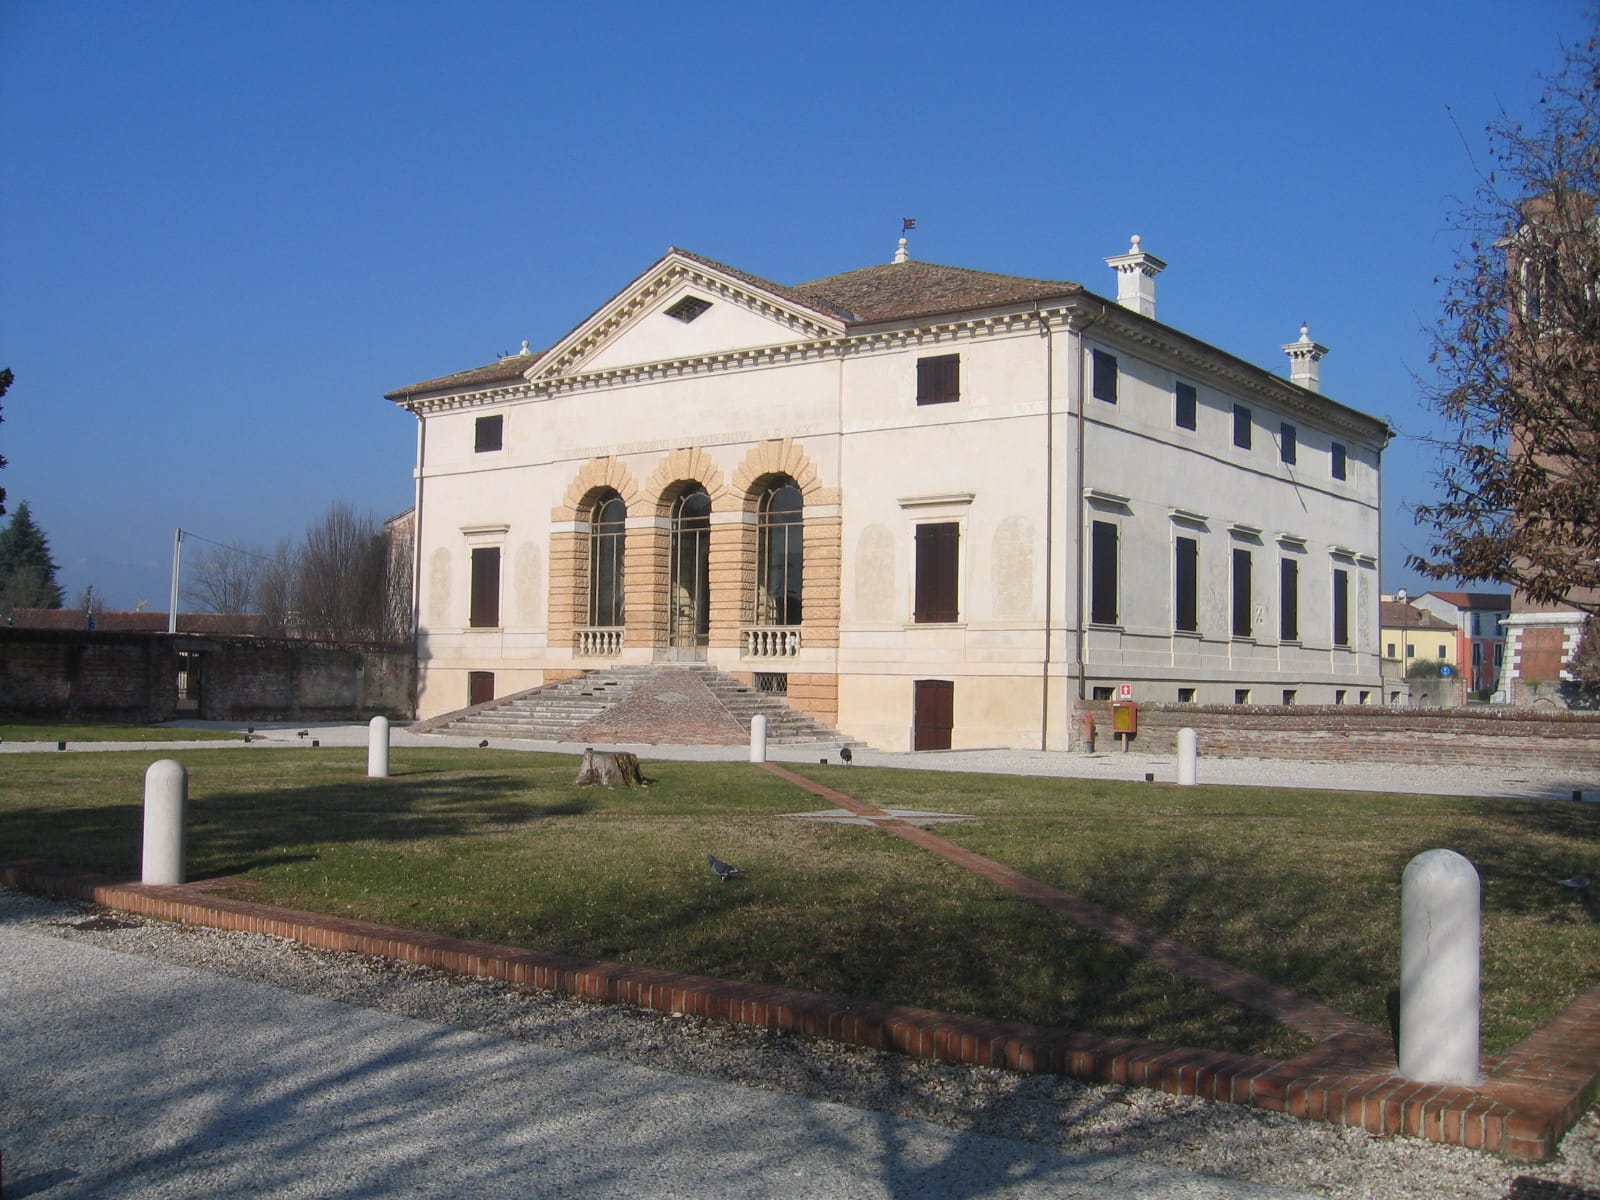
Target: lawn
[50,729]
[1300,887]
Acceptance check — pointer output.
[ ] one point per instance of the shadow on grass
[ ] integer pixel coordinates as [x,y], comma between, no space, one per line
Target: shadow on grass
[230,832]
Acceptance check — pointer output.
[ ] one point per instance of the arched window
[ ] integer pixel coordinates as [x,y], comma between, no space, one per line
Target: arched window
[780,554]
[606,523]
[690,615]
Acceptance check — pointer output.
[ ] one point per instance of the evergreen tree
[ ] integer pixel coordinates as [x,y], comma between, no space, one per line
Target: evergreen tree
[5,384]
[27,572]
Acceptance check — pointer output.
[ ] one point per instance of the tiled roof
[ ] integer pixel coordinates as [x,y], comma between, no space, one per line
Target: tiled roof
[895,291]
[1488,601]
[1394,614]
[506,370]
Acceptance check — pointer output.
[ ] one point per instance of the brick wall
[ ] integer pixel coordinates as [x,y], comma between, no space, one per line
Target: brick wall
[1348,733]
[134,677]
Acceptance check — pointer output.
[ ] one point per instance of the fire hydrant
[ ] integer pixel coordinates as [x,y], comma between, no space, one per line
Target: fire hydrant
[1088,733]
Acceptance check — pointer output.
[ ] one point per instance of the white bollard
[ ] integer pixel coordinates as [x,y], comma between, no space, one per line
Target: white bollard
[1439,969]
[1188,756]
[166,792]
[758,739]
[378,748]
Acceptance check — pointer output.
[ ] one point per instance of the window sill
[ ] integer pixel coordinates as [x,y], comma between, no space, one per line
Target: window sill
[1193,635]
[1098,625]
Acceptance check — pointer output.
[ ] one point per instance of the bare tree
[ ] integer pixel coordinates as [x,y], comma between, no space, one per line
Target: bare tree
[226,579]
[1517,350]
[274,596]
[341,582]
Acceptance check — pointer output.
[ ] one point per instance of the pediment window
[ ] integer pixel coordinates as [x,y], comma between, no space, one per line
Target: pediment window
[688,309]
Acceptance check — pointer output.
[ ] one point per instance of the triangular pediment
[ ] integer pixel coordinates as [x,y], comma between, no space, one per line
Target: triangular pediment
[685,307]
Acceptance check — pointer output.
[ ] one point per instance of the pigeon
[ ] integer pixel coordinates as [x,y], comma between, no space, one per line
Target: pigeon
[483,745]
[1578,882]
[845,756]
[303,734]
[723,871]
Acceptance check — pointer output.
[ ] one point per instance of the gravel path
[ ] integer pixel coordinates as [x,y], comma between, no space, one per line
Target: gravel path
[1128,1124]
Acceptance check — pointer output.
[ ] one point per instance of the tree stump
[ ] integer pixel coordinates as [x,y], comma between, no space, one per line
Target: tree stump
[609,768]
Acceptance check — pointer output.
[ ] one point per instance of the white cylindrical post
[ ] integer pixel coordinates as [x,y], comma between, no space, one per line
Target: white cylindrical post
[378,748]
[1439,969]
[1188,756]
[166,792]
[758,739]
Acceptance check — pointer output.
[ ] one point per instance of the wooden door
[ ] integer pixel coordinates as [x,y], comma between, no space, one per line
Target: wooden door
[933,709]
[480,687]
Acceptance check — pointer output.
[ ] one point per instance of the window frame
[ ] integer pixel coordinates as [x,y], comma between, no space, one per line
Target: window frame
[1288,599]
[1242,422]
[1288,447]
[1104,572]
[1341,608]
[1105,372]
[936,571]
[938,379]
[483,610]
[1241,597]
[1185,401]
[489,429]
[1338,461]
[1185,584]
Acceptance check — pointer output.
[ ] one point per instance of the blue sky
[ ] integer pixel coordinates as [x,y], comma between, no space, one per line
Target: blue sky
[228,229]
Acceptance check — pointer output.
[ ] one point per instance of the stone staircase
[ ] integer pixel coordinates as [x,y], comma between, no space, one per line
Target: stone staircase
[561,711]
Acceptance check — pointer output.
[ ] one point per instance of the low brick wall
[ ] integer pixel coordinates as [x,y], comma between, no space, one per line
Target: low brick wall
[1346,733]
[134,677]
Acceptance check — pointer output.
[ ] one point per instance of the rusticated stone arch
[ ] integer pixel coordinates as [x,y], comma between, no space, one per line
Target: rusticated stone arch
[779,456]
[595,476]
[569,546]
[682,467]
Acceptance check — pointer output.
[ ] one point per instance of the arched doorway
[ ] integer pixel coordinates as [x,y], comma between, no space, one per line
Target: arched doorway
[689,595]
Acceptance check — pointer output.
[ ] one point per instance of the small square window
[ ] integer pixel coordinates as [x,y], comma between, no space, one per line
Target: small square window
[1339,695]
[1443,651]
[1102,693]
[688,308]
[1390,652]
[1366,698]
[1241,695]
[1338,463]
[1288,696]
[487,434]
[1411,651]
[1185,405]
[939,379]
[1286,444]
[1185,695]
[1105,376]
[1241,426]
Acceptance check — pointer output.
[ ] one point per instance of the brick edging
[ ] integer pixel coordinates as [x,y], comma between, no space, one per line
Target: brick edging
[1522,1118]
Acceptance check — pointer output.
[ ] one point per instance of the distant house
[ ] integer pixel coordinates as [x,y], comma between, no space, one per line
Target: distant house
[1479,619]
[1411,634]
[932,506]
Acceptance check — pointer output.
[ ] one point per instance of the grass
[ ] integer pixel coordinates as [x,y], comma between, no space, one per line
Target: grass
[45,729]
[1300,887]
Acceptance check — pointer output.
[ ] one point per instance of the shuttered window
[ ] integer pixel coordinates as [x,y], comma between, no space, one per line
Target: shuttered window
[488,434]
[1338,460]
[1286,443]
[1288,600]
[939,379]
[1186,578]
[938,569]
[1341,610]
[486,588]
[1105,376]
[1185,402]
[1241,426]
[1103,573]
[1243,624]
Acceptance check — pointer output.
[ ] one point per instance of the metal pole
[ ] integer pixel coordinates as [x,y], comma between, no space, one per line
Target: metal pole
[177,558]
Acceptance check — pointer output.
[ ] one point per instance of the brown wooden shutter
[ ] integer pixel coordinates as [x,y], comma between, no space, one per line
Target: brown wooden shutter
[1103,573]
[939,379]
[486,588]
[1186,564]
[1289,601]
[938,552]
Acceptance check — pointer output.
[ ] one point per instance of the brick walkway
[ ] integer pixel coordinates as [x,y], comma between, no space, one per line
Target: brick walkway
[1529,1099]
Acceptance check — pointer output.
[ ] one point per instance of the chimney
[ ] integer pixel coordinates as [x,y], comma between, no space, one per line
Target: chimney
[1304,356]
[1136,278]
